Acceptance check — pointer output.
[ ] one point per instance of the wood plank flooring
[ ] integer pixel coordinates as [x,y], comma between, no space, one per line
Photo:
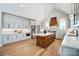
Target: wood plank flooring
[29,48]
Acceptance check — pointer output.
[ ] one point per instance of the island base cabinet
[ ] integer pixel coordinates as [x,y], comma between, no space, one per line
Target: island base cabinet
[45,41]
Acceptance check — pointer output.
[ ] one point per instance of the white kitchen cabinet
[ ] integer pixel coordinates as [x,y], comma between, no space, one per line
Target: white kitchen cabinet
[28,37]
[32,22]
[0,40]
[0,20]
[17,23]
[15,37]
[26,24]
[10,38]
[22,36]
[19,36]
[4,38]
[22,23]
[25,36]
[7,39]
[29,24]
[8,21]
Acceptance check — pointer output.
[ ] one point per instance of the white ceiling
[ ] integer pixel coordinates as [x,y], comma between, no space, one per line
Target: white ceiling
[37,10]
[67,8]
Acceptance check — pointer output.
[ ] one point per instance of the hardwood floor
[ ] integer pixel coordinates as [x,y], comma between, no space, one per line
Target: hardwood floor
[29,48]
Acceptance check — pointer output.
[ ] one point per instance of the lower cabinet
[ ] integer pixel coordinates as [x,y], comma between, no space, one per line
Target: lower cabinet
[14,38]
[69,51]
[0,40]
[23,36]
[7,38]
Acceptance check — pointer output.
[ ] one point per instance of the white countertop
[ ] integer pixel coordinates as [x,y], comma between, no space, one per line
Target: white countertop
[71,41]
[42,34]
[12,31]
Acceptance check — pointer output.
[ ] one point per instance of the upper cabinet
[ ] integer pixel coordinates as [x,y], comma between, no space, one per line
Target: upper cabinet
[17,23]
[8,21]
[32,22]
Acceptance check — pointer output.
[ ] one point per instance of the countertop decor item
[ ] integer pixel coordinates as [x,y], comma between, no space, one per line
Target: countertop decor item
[45,32]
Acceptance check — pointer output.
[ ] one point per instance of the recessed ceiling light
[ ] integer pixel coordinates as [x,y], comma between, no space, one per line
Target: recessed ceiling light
[21,5]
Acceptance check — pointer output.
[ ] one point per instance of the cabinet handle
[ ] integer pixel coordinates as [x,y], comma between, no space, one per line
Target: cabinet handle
[7,38]
[8,25]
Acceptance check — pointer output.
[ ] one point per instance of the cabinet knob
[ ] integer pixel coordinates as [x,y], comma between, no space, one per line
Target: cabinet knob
[8,25]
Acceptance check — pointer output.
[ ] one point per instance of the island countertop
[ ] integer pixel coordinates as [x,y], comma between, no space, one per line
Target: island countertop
[42,34]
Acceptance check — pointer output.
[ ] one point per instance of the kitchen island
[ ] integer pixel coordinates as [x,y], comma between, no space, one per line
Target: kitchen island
[44,40]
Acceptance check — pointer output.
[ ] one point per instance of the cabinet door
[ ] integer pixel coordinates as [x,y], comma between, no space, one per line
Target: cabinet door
[0,39]
[32,22]
[17,23]
[25,24]
[23,36]
[10,38]
[4,39]
[22,23]
[19,37]
[28,23]
[7,38]
[14,38]
[8,21]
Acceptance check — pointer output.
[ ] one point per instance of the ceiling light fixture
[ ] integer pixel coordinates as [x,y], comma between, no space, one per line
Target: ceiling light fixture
[21,5]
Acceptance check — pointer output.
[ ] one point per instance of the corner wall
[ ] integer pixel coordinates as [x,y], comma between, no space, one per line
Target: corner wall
[0,29]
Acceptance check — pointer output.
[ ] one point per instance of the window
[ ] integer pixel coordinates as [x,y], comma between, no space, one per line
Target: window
[62,24]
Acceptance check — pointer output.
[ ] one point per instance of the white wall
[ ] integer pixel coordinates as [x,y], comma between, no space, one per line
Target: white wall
[29,10]
[58,14]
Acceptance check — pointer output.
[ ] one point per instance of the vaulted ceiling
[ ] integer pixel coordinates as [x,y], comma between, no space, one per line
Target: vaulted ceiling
[67,8]
[38,10]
